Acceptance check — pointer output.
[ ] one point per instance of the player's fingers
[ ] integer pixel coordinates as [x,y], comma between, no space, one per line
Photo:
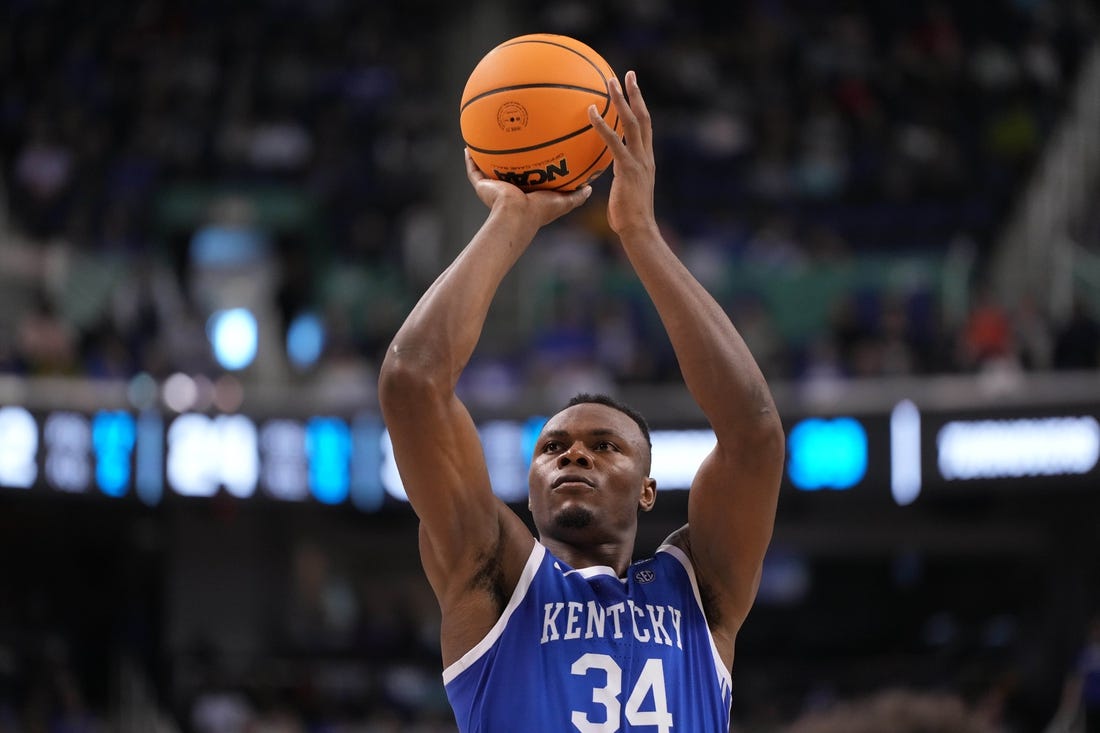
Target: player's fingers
[472,171]
[614,142]
[554,204]
[626,114]
[573,199]
[640,110]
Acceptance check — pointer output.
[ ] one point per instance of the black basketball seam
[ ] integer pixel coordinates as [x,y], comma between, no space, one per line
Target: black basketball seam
[529,148]
[540,85]
[607,97]
[560,45]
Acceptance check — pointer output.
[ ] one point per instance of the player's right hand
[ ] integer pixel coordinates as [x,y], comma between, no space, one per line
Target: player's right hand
[541,207]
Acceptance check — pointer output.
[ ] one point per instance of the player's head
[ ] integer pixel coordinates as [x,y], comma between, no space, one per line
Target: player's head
[589,474]
[639,420]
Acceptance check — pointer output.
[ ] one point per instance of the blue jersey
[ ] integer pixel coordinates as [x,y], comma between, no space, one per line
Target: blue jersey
[583,650]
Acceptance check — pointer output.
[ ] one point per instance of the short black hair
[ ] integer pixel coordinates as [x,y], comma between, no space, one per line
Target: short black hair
[609,401]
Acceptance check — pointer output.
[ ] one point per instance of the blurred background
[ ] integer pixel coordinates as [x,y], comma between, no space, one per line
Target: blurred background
[214,216]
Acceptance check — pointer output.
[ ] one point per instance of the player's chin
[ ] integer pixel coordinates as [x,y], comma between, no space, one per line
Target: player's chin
[574,517]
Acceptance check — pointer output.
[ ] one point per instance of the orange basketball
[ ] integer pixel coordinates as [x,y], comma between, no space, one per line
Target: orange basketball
[524,112]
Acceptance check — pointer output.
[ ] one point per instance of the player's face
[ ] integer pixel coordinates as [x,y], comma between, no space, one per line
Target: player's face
[588,474]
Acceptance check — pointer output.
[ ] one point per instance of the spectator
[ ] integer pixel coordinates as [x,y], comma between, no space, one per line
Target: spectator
[986,339]
[47,343]
[42,175]
[894,711]
[1077,343]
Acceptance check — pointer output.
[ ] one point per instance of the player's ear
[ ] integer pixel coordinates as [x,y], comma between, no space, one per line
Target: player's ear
[649,494]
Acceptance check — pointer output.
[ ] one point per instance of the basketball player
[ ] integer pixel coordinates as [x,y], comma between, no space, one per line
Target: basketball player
[562,632]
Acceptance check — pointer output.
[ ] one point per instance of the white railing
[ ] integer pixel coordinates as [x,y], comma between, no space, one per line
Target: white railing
[1036,251]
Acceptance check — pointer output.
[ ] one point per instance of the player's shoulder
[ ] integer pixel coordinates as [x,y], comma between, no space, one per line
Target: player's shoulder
[680,539]
[676,552]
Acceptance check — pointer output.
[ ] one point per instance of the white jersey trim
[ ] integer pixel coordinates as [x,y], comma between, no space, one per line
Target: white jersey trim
[592,571]
[534,560]
[680,555]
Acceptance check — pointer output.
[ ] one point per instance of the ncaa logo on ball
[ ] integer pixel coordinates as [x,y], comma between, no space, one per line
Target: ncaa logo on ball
[512,116]
[544,172]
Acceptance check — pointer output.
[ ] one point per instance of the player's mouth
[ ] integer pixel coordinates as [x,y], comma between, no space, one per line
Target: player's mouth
[571,480]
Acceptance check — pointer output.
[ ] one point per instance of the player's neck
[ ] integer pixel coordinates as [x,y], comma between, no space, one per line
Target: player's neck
[615,555]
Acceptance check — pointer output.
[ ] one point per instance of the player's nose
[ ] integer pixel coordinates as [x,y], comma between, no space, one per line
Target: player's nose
[576,454]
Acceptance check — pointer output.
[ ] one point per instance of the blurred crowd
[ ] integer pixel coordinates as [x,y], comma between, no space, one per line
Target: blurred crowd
[346,653]
[837,173]
[115,119]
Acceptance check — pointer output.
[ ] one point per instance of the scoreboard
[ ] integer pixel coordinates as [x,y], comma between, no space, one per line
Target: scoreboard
[149,455]
[152,456]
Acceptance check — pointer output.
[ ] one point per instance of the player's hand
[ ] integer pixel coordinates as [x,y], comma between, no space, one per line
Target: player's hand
[539,207]
[630,205]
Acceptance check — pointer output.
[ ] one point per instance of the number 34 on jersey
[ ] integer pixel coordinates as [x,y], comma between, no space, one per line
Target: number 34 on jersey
[650,684]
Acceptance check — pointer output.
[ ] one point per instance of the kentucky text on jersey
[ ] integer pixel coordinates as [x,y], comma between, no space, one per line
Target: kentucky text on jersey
[591,620]
[587,651]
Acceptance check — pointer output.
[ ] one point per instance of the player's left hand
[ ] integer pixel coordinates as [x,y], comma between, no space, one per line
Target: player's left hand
[630,205]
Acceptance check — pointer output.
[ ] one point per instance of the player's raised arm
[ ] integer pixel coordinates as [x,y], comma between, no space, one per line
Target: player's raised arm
[435,443]
[733,498]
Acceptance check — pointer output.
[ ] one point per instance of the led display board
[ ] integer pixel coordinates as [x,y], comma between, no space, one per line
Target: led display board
[151,456]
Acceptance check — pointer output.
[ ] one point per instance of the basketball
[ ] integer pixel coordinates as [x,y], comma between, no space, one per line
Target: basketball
[524,113]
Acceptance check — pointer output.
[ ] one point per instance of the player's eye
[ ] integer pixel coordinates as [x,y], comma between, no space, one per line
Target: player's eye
[550,446]
[606,445]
